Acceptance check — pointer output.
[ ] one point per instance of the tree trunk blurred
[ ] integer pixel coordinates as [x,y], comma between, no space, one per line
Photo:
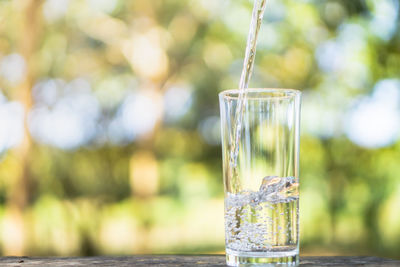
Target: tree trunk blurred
[28,40]
[21,191]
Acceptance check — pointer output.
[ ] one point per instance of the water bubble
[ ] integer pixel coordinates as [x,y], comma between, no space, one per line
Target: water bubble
[252,216]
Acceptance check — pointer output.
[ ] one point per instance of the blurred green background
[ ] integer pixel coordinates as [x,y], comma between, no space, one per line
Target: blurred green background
[109,121]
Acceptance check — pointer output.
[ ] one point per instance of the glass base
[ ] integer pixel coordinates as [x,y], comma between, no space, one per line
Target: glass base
[267,259]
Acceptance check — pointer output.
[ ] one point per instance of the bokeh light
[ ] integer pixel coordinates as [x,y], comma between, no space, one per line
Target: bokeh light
[13,68]
[11,123]
[374,121]
[65,114]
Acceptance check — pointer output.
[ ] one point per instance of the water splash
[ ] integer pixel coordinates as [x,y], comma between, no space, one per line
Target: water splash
[273,189]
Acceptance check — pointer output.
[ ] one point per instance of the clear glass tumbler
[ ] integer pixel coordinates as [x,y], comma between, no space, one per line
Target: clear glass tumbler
[261,185]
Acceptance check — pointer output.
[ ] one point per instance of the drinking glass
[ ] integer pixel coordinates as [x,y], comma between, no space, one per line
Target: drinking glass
[261,184]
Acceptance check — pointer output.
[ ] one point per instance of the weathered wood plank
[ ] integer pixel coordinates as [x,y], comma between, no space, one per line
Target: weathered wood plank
[348,261]
[184,260]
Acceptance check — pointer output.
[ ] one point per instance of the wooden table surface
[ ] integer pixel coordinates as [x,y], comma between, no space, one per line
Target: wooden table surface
[183,260]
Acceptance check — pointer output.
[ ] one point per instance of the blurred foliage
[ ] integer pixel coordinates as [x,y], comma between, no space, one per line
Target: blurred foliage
[121,154]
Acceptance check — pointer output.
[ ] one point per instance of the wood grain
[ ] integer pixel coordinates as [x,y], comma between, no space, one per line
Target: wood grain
[183,260]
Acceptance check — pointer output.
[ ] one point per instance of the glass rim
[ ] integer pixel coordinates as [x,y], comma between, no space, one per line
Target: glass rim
[287,93]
